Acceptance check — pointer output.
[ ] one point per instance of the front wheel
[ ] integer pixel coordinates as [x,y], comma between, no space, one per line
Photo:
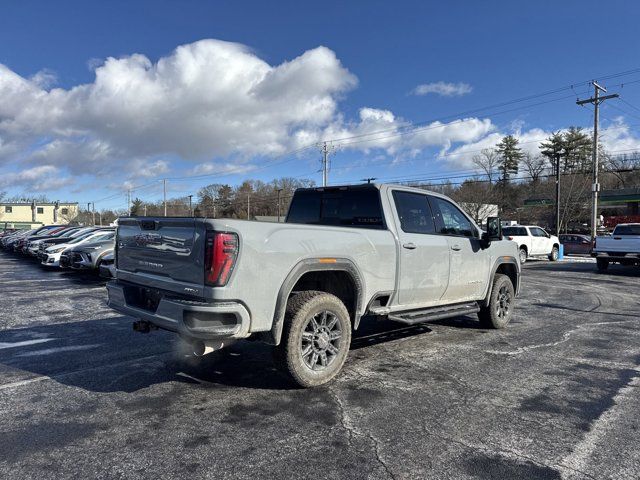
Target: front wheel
[315,338]
[501,303]
[553,256]
[523,255]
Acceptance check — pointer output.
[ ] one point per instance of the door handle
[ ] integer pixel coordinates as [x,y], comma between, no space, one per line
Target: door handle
[409,246]
[456,247]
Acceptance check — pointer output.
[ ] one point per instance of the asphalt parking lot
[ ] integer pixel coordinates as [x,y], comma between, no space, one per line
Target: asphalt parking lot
[553,396]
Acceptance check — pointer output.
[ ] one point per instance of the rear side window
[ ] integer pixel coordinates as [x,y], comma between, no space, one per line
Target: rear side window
[627,230]
[414,212]
[449,219]
[359,208]
[514,231]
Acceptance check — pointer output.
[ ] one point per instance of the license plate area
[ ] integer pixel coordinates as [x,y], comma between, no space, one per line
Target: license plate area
[142,297]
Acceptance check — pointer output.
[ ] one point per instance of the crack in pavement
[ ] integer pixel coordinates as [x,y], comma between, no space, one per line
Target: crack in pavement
[565,338]
[511,454]
[348,425]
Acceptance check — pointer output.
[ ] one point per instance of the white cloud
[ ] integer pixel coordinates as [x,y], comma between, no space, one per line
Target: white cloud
[220,168]
[207,99]
[41,178]
[444,89]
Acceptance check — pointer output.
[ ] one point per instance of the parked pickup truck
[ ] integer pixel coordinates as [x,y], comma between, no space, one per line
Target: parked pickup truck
[533,241]
[623,246]
[304,285]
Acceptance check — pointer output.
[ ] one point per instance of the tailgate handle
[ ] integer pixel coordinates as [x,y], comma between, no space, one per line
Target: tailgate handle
[149,224]
[409,246]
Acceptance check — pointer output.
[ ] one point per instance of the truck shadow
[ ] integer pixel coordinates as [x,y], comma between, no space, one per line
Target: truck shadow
[104,355]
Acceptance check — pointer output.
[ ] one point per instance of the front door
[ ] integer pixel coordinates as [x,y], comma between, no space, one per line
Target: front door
[540,241]
[424,256]
[468,261]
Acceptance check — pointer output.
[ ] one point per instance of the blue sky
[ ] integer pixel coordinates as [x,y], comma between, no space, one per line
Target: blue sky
[242,106]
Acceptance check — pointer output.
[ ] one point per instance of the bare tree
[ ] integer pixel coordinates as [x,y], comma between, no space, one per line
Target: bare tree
[534,165]
[488,160]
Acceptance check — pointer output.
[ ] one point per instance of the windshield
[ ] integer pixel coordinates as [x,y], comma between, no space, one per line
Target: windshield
[80,237]
[627,230]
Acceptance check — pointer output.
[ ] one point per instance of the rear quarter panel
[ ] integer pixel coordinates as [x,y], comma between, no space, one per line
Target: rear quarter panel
[270,251]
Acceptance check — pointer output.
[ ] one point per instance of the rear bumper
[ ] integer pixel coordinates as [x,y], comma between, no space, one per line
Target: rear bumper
[191,319]
[617,256]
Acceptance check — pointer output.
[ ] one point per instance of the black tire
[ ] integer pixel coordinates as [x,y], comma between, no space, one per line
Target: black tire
[522,255]
[501,304]
[602,264]
[299,335]
[555,253]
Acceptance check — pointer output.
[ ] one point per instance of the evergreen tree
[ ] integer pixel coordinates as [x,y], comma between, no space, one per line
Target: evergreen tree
[137,207]
[510,156]
[553,148]
[578,147]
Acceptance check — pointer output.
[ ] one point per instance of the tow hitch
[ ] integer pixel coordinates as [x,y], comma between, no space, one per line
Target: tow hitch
[143,326]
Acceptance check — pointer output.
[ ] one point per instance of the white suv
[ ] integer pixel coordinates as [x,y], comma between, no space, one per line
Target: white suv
[533,241]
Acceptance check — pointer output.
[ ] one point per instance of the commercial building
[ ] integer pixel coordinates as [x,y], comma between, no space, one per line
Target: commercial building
[23,214]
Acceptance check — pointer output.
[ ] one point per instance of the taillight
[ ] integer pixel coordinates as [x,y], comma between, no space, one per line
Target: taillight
[510,238]
[220,257]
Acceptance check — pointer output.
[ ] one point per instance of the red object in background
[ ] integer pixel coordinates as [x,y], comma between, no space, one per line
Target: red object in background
[611,222]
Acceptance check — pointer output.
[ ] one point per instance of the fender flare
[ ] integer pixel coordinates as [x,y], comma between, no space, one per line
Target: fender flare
[313,265]
[503,260]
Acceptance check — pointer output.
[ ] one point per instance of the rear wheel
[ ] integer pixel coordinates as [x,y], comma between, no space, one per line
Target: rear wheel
[602,264]
[523,255]
[315,338]
[501,303]
[555,253]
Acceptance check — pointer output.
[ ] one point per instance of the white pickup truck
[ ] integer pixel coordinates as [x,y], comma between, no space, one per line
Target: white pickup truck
[622,247]
[533,241]
[303,286]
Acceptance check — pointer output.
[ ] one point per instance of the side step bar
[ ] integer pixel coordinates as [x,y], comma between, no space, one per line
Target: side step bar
[412,317]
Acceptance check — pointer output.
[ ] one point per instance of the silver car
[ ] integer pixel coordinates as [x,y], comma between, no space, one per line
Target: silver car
[88,256]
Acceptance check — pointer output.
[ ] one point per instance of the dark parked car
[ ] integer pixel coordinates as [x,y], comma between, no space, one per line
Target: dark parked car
[576,244]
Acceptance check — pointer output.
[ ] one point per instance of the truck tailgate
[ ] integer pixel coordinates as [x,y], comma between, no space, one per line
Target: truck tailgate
[619,244]
[160,248]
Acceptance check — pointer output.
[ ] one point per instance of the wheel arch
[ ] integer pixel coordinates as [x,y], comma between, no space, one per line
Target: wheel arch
[339,276]
[508,266]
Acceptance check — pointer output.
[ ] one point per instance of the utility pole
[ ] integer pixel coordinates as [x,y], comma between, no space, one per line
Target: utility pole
[190,209]
[326,151]
[93,211]
[129,202]
[557,194]
[248,206]
[145,209]
[595,188]
[279,190]
[368,179]
[88,210]
[164,187]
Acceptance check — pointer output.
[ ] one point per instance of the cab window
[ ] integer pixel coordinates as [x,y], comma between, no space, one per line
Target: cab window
[449,219]
[414,212]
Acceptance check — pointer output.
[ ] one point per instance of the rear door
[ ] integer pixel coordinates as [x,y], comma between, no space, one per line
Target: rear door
[424,256]
[468,261]
[162,249]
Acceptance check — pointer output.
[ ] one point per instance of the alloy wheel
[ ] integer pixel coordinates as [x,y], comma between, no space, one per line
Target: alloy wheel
[321,340]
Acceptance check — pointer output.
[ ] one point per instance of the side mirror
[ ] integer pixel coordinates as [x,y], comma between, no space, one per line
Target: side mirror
[494,229]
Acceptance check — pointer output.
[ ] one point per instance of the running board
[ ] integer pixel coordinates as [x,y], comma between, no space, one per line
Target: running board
[412,317]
